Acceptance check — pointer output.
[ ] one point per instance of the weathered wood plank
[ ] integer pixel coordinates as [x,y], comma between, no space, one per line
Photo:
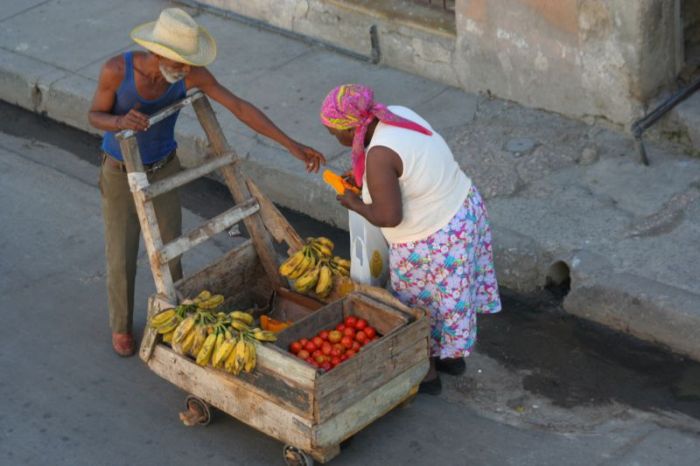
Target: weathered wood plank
[386,297]
[156,304]
[164,113]
[212,227]
[233,397]
[284,364]
[234,180]
[237,275]
[370,408]
[371,377]
[382,317]
[327,317]
[275,222]
[187,176]
[290,306]
[372,367]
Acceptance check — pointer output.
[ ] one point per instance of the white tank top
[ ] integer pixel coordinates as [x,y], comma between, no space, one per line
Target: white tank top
[433,186]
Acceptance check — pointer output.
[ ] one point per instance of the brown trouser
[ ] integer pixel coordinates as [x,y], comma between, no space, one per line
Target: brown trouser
[122,234]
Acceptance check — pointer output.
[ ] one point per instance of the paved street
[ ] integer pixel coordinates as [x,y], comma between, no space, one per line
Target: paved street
[541,390]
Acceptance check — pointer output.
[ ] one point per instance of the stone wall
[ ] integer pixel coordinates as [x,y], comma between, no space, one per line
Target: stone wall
[590,59]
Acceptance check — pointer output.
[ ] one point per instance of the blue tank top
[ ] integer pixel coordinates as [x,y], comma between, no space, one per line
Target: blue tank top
[158,140]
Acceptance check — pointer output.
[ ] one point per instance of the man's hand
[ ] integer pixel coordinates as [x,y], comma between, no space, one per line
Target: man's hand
[133,120]
[311,157]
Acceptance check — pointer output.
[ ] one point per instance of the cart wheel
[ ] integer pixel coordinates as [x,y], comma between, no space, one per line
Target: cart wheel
[296,457]
[197,412]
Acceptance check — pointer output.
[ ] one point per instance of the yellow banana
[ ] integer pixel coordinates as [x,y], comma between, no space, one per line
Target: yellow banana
[170,325]
[219,341]
[240,351]
[212,303]
[323,251]
[222,353]
[186,344]
[264,335]
[231,358]
[307,281]
[200,336]
[202,296]
[325,242]
[251,359]
[242,316]
[168,338]
[162,317]
[204,354]
[303,266]
[325,281]
[240,326]
[291,263]
[183,329]
[341,262]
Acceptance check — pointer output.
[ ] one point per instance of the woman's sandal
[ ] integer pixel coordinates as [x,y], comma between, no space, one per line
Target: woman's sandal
[452,366]
[431,387]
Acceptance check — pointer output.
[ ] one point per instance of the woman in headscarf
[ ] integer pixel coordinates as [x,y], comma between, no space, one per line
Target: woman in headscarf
[430,213]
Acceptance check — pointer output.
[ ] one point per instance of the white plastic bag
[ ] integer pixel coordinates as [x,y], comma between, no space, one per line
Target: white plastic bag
[369,252]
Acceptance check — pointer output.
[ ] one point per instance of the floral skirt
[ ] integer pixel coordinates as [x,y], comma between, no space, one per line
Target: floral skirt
[451,274]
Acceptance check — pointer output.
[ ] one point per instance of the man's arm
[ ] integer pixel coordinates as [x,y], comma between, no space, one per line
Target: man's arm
[100,115]
[252,117]
[384,167]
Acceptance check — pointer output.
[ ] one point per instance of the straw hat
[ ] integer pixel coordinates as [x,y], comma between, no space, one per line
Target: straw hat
[177,36]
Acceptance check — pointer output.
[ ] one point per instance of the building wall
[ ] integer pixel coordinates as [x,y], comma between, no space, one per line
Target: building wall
[600,59]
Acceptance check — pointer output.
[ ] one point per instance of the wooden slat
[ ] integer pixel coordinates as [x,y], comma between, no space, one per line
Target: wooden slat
[372,367]
[237,275]
[233,397]
[234,180]
[382,317]
[389,299]
[275,222]
[370,408]
[295,371]
[375,372]
[149,222]
[156,304]
[207,230]
[187,176]
[163,114]
[326,318]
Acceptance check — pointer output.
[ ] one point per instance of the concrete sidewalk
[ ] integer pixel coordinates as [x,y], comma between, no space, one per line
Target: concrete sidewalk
[566,198]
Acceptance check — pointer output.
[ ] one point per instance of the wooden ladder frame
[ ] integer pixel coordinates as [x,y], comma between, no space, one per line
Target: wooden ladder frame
[261,218]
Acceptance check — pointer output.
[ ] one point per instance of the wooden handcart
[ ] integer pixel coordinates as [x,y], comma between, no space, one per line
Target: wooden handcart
[311,412]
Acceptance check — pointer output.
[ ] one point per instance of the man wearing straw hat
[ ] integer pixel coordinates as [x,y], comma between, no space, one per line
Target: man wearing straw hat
[131,87]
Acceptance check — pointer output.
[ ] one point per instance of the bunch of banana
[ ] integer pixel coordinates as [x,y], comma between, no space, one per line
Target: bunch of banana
[324,285]
[314,268]
[322,246]
[340,266]
[166,322]
[242,356]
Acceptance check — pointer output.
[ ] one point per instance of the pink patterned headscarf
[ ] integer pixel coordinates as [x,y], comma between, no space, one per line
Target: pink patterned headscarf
[353,106]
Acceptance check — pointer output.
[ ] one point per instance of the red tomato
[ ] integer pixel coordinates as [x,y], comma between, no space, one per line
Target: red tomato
[320,359]
[339,347]
[316,353]
[312,362]
[349,332]
[361,324]
[323,334]
[303,354]
[303,342]
[295,347]
[334,336]
[346,342]
[350,353]
[326,348]
[370,332]
[336,353]
[343,357]
[326,366]
[310,347]
[361,336]
[340,327]
[335,361]
[350,321]
[356,345]
[318,341]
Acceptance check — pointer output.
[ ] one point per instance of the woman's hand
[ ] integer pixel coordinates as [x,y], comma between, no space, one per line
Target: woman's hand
[350,201]
[311,157]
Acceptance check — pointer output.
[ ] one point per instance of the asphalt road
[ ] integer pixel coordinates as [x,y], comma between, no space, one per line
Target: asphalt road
[543,388]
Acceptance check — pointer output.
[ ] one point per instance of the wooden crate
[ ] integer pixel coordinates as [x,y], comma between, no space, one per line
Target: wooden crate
[286,397]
